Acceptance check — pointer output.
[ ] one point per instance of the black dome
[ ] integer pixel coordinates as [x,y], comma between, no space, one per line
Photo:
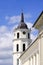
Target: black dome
[22,24]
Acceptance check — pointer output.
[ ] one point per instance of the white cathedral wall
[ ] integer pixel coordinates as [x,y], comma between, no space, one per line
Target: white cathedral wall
[30,54]
[41,48]
[32,60]
[34,54]
[26,63]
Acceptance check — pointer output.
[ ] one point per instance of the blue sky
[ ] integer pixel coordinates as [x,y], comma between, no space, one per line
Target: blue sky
[10,11]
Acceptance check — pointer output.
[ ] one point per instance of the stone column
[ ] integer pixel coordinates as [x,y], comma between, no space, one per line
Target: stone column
[33,59]
[28,62]
[37,58]
[41,50]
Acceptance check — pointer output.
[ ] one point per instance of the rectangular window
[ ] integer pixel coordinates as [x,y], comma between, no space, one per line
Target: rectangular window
[23,47]
[17,35]
[17,61]
[17,47]
[28,35]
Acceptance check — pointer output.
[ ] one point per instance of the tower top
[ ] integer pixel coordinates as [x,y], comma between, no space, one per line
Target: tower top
[22,24]
[22,17]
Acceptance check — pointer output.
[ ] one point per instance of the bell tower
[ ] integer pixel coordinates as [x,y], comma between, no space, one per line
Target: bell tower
[21,40]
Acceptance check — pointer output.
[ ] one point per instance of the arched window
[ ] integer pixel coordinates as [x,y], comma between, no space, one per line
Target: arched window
[17,61]
[17,35]
[17,47]
[28,35]
[23,47]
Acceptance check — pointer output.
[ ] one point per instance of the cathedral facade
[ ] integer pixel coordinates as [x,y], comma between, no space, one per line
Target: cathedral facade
[26,52]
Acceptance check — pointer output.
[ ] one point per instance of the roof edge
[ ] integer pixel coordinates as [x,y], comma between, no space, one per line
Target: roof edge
[37,19]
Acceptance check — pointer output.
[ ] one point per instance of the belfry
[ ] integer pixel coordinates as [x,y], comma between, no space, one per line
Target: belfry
[21,40]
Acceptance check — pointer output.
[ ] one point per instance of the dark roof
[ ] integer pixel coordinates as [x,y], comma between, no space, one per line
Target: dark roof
[22,24]
[37,19]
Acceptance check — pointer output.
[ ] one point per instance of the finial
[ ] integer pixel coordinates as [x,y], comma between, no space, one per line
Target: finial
[22,17]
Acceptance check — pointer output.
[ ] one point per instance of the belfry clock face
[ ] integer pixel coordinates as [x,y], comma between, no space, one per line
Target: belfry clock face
[24,32]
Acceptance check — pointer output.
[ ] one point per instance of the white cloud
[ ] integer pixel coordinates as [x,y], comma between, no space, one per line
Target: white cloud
[6,38]
[29,25]
[5,54]
[27,15]
[0,60]
[5,61]
[3,29]
[6,17]
[13,19]
[34,33]
[16,19]
[33,37]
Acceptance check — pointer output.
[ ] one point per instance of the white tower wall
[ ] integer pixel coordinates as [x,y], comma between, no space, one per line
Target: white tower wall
[23,39]
[22,42]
